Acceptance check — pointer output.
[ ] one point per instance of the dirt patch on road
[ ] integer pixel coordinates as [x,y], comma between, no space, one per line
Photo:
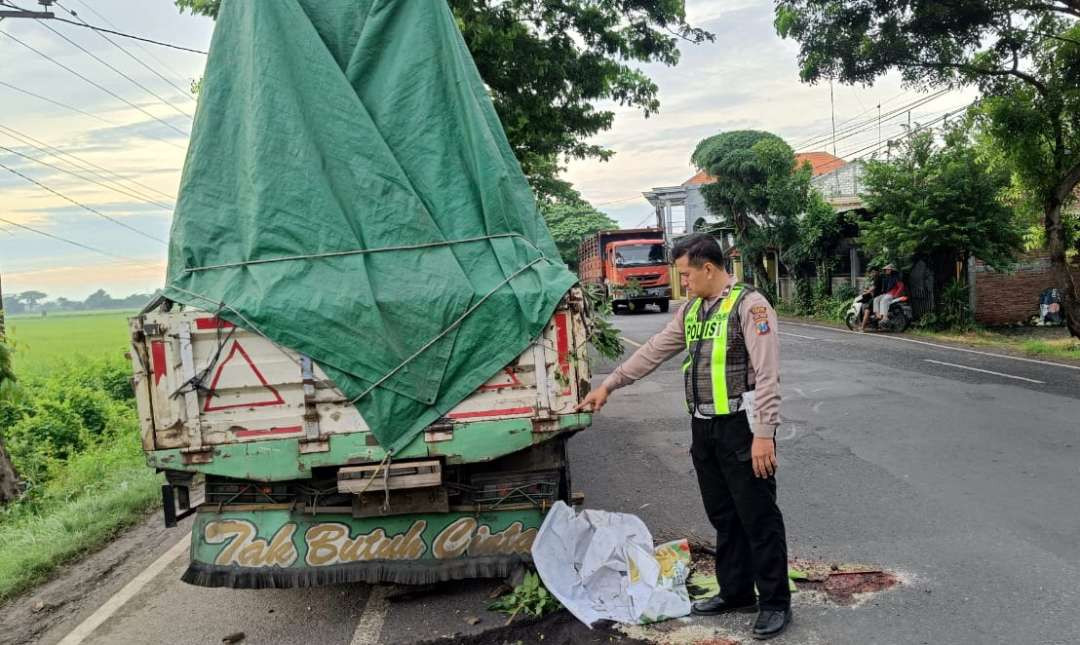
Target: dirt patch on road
[559,628]
[843,583]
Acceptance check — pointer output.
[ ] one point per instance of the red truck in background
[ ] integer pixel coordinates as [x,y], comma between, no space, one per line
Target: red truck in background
[631,265]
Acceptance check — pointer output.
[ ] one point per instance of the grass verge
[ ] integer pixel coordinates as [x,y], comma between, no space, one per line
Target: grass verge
[1052,343]
[1036,342]
[98,493]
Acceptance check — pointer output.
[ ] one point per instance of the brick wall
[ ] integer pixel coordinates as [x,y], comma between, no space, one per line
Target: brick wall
[1003,298]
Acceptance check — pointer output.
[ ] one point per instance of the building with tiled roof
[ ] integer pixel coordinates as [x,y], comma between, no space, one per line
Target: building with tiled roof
[820,164]
[682,208]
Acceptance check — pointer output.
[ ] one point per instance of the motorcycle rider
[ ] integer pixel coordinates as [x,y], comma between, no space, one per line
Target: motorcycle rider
[892,287]
[873,281]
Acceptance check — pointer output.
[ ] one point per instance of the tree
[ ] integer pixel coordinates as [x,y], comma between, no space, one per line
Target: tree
[99,300]
[1023,55]
[819,231]
[13,305]
[758,191]
[570,223]
[940,203]
[9,479]
[31,298]
[548,62]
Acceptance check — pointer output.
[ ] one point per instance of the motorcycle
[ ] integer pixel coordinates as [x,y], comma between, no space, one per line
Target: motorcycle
[900,315]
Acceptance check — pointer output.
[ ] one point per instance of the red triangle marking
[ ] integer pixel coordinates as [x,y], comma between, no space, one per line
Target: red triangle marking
[236,348]
[514,381]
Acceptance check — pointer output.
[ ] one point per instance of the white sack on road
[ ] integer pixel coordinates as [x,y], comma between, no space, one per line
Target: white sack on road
[602,566]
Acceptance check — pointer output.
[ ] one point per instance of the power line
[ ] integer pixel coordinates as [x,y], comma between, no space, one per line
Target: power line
[869,124]
[81,205]
[133,37]
[65,240]
[185,91]
[862,126]
[110,31]
[89,166]
[847,121]
[100,87]
[58,103]
[121,73]
[97,117]
[121,191]
[875,148]
[617,201]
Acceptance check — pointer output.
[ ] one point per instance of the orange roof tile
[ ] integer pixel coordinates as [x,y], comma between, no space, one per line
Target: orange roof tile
[699,179]
[821,162]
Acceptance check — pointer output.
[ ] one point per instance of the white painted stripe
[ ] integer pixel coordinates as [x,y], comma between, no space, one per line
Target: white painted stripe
[976,369]
[632,342]
[787,333]
[120,598]
[369,629]
[948,347]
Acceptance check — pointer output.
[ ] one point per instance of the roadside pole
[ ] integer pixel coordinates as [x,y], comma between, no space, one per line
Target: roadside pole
[2,327]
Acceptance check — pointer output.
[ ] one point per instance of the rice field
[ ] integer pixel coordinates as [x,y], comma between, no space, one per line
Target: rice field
[41,344]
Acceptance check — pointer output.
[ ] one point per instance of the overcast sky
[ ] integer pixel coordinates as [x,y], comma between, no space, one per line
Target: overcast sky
[746,79]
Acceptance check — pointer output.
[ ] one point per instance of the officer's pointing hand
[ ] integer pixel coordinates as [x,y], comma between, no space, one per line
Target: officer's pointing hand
[763,457]
[594,400]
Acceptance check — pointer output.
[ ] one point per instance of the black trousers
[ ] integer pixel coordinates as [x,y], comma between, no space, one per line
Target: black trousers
[751,546]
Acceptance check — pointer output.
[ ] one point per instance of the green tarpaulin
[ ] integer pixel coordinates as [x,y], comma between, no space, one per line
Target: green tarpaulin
[330,127]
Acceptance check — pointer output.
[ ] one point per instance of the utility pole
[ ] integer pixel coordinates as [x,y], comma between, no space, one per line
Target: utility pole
[20,13]
[879,125]
[832,108]
[3,330]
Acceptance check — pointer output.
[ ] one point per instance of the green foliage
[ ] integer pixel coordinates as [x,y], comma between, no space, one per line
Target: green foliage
[603,336]
[55,417]
[956,311]
[943,201]
[73,436]
[7,372]
[92,497]
[804,296]
[548,63]
[758,191]
[820,229]
[529,597]
[572,222]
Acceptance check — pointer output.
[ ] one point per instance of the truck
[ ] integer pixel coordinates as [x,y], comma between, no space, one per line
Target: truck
[365,360]
[630,266]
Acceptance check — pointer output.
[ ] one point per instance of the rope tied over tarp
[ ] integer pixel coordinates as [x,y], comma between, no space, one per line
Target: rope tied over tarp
[337,254]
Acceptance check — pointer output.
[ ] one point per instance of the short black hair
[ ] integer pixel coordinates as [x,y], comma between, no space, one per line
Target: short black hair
[699,249]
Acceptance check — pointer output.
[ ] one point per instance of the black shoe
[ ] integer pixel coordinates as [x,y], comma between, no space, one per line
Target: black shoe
[717,605]
[771,622]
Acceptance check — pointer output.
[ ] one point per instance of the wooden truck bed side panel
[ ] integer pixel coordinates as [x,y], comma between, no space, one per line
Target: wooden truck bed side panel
[250,389]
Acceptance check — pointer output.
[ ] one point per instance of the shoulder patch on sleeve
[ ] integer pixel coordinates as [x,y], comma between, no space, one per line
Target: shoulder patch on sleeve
[762,327]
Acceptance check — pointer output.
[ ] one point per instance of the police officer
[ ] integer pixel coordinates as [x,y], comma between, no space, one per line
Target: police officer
[732,380]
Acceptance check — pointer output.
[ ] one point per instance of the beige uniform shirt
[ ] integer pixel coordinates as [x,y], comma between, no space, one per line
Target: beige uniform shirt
[759,328]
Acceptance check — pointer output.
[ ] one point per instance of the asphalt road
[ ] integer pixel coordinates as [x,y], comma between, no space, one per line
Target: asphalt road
[958,470]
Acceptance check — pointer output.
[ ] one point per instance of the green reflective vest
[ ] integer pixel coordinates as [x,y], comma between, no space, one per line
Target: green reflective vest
[717,364]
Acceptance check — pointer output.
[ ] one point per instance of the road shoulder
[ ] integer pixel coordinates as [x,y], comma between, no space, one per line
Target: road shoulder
[46,613]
